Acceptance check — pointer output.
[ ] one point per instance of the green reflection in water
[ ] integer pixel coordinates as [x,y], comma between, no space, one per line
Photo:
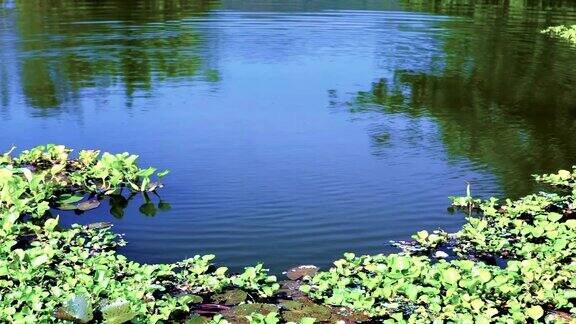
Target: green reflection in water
[504,97]
[65,46]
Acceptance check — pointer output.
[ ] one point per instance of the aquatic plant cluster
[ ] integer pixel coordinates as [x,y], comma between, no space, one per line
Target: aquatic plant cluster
[49,273]
[513,261]
[565,32]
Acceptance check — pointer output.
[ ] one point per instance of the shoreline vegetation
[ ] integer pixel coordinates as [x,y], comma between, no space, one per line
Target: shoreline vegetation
[567,33]
[513,261]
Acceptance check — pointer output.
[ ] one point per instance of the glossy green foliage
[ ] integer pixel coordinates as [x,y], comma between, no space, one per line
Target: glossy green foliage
[430,240]
[409,288]
[48,273]
[46,176]
[534,238]
[539,226]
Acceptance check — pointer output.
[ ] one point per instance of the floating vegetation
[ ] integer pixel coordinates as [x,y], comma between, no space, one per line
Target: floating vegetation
[240,313]
[301,271]
[231,297]
[516,262]
[565,32]
[513,261]
[48,273]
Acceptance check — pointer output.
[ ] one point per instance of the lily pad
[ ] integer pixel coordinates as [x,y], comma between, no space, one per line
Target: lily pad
[70,199]
[99,225]
[67,207]
[297,310]
[301,271]
[196,319]
[88,205]
[231,297]
[239,313]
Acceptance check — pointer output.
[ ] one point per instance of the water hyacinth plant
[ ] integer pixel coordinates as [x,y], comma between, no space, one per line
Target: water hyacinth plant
[49,274]
[513,261]
[516,263]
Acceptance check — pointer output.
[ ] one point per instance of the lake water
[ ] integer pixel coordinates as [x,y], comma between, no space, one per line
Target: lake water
[295,130]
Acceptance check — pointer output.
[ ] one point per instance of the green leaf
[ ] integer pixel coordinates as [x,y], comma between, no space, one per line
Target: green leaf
[422,235]
[67,207]
[231,297]
[400,263]
[412,292]
[146,172]
[571,223]
[491,312]
[9,219]
[476,304]
[39,260]
[88,205]
[564,174]
[134,186]
[70,200]
[483,274]
[349,256]
[554,217]
[535,312]
[51,224]
[451,276]
[117,312]
[537,231]
[144,184]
